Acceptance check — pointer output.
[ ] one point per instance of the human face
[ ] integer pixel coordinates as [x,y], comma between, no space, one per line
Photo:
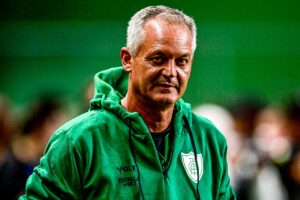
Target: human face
[160,70]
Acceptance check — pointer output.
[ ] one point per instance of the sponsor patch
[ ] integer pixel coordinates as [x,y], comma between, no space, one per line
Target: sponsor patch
[126,178]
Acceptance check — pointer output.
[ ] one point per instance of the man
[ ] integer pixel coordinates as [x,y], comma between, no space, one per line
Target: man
[139,140]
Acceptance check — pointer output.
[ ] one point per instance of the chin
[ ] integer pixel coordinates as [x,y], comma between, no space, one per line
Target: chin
[165,102]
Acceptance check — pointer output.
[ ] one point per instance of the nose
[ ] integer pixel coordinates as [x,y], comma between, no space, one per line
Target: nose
[170,69]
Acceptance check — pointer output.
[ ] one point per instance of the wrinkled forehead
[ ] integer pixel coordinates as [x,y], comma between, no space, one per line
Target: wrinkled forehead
[161,24]
[176,39]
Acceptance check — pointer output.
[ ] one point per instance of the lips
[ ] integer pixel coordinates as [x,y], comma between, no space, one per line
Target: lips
[166,85]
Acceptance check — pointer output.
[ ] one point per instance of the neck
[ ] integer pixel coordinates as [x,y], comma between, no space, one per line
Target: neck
[157,118]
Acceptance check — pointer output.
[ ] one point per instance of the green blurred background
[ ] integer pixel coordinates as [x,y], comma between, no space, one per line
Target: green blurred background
[244,47]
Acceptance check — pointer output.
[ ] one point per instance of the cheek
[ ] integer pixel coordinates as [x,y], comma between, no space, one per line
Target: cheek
[183,75]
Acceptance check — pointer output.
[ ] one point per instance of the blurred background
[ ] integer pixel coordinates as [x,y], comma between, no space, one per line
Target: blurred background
[243,46]
[247,64]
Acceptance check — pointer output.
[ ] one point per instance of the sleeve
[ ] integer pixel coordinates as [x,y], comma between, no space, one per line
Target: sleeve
[226,192]
[58,175]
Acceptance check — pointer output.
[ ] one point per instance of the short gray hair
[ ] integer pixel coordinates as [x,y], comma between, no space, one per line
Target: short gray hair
[135,29]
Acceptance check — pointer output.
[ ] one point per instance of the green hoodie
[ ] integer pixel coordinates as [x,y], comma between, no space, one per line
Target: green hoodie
[108,153]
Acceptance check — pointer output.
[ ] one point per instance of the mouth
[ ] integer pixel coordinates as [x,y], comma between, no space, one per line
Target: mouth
[167,85]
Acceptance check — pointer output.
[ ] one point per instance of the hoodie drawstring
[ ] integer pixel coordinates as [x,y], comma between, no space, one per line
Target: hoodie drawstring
[135,162]
[195,153]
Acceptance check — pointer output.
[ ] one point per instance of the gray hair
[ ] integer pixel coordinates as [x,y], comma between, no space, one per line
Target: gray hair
[135,29]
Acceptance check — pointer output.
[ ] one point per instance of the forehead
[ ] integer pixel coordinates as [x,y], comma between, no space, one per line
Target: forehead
[161,34]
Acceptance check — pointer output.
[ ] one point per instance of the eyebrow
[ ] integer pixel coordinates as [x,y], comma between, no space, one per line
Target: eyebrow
[157,53]
[186,55]
[160,53]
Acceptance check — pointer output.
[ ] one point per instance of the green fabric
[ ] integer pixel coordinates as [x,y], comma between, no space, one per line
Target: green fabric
[90,156]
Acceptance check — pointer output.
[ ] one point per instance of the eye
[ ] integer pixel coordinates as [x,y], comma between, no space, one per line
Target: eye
[182,62]
[157,60]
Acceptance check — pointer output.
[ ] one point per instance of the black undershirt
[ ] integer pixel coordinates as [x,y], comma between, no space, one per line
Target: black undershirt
[159,139]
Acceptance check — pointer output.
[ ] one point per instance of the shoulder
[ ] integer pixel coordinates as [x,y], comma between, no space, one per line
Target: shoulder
[200,121]
[205,129]
[77,121]
[83,133]
[202,128]
[86,124]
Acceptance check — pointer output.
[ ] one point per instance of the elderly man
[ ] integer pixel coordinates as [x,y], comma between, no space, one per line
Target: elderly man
[139,139]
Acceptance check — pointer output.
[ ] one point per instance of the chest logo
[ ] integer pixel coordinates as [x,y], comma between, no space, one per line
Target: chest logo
[189,163]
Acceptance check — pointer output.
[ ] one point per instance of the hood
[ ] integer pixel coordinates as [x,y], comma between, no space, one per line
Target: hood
[111,86]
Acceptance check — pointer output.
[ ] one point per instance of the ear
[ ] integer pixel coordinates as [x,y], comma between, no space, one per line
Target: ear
[126,59]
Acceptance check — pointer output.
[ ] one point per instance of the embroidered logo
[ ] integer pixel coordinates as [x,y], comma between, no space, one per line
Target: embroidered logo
[189,163]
